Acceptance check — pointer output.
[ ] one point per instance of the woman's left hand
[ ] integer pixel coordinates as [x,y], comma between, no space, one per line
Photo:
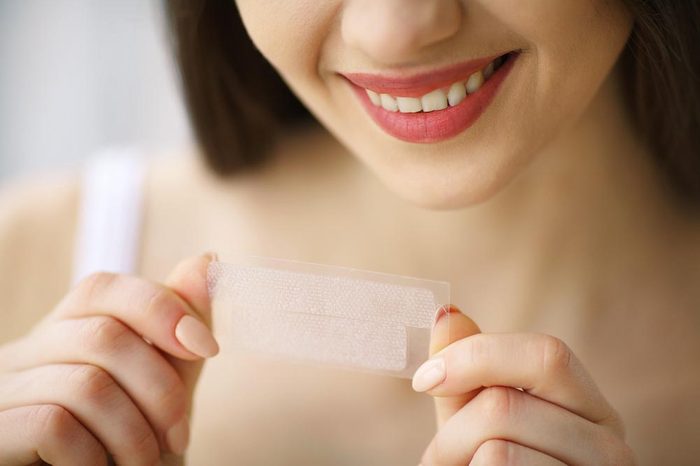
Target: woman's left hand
[514,398]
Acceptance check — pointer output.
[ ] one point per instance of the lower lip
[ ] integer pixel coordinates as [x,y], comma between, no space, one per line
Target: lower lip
[438,125]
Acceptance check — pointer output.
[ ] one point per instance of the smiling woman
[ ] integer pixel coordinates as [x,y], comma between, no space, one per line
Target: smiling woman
[235,96]
[541,157]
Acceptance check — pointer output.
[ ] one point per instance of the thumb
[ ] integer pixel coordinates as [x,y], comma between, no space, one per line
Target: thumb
[446,331]
[189,280]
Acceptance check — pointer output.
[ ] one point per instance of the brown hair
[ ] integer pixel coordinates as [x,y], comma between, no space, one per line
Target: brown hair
[237,101]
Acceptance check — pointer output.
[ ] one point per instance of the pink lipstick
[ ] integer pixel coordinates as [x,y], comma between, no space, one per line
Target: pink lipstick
[431,107]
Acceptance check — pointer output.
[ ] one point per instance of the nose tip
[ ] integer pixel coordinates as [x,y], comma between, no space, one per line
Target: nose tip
[394,31]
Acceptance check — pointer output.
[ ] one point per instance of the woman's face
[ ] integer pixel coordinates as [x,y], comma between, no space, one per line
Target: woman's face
[441,136]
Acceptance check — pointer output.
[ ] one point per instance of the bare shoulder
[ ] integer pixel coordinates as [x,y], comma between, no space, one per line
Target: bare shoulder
[284,207]
[37,225]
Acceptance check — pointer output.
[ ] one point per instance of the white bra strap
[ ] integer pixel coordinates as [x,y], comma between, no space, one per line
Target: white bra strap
[110,215]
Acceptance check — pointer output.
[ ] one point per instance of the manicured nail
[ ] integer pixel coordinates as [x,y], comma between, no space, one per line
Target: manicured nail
[178,436]
[441,312]
[196,337]
[429,374]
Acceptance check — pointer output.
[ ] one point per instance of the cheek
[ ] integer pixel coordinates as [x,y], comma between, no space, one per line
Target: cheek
[573,46]
[290,34]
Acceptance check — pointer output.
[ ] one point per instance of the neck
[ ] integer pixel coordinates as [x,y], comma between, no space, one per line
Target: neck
[587,221]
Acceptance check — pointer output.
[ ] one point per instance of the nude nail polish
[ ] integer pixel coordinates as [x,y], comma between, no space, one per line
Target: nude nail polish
[429,374]
[196,337]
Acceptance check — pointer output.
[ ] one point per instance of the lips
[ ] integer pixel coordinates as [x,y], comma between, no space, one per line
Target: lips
[436,123]
[420,84]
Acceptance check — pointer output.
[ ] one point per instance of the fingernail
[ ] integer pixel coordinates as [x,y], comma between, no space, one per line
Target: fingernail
[429,374]
[178,436]
[196,337]
[443,311]
[212,256]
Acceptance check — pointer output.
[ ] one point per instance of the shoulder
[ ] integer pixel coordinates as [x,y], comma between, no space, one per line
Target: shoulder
[37,226]
[301,203]
[37,215]
[29,201]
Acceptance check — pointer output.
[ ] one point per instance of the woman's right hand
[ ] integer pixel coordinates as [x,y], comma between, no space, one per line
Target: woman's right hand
[109,372]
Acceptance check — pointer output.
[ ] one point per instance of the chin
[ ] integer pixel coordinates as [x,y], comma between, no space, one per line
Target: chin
[449,190]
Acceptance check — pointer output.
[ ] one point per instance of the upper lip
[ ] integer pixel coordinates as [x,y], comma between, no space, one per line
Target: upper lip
[418,84]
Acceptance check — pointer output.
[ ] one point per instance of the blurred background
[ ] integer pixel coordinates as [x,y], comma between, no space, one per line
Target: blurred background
[77,76]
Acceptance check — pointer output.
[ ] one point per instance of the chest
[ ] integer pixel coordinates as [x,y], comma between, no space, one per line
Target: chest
[255,410]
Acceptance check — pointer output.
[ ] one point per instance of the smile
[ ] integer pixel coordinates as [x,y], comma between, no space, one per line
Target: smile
[434,106]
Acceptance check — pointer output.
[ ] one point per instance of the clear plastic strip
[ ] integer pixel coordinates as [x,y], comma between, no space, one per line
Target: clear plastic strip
[326,314]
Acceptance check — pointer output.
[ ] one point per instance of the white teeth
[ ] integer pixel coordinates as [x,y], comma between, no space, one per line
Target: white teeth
[474,82]
[488,71]
[409,104]
[456,94]
[389,103]
[374,97]
[435,100]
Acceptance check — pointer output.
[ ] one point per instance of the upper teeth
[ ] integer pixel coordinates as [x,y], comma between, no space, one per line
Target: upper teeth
[437,99]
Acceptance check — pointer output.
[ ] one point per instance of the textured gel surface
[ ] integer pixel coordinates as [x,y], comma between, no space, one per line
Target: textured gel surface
[346,317]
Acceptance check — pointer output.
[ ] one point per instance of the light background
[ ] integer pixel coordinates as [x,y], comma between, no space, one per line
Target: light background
[80,75]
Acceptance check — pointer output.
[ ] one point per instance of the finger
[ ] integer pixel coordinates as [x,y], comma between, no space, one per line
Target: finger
[139,369]
[499,451]
[510,414]
[47,433]
[450,325]
[94,399]
[152,310]
[540,364]
[189,281]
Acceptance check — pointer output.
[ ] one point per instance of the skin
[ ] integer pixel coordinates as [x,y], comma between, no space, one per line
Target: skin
[570,252]
[86,363]
[569,50]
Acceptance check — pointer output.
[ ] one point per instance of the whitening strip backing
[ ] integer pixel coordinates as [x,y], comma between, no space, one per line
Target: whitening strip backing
[345,317]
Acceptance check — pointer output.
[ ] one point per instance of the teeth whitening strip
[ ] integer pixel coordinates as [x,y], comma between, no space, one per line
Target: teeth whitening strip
[345,317]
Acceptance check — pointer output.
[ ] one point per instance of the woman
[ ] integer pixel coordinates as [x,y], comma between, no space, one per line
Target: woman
[544,159]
